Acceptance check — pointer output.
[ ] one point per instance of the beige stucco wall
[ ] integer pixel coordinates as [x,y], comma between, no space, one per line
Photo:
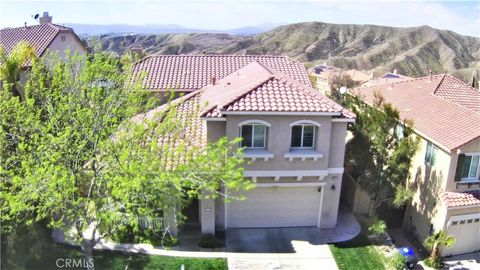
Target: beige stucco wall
[428,183]
[278,141]
[71,43]
[331,200]
[330,141]
[337,145]
[451,185]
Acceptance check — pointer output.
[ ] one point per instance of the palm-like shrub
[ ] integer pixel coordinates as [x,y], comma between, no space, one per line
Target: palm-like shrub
[435,243]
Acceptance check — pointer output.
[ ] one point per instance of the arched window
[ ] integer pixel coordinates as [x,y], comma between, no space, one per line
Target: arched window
[254,133]
[303,134]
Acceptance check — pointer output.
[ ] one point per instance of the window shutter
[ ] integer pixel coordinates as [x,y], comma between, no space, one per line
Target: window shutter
[458,172]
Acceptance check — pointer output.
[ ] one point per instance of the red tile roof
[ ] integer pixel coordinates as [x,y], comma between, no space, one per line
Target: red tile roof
[256,88]
[193,128]
[444,109]
[253,83]
[192,72]
[461,199]
[39,36]
[458,92]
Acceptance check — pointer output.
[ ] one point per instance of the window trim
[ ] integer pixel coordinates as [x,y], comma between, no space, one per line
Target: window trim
[303,124]
[477,174]
[253,124]
[300,122]
[254,121]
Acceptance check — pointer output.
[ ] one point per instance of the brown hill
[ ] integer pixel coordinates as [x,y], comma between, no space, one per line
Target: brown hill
[413,51]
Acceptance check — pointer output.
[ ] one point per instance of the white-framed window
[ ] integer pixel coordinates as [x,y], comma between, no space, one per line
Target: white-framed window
[471,168]
[430,154]
[303,136]
[254,135]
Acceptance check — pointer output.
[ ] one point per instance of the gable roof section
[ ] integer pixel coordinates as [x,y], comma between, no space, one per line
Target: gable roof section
[258,89]
[192,72]
[39,36]
[458,92]
[252,80]
[461,199]
[443,114]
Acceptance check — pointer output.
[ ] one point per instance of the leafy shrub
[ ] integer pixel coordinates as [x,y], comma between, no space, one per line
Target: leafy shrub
[377,226]
[169,240]
[124,234]
[210,241]
[434,262]
[397,261]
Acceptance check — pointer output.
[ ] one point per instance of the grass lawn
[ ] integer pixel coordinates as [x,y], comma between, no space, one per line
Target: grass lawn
[357,253]
[34,249]
[114,260]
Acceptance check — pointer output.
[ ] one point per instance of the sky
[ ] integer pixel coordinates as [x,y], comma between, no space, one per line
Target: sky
[460,16]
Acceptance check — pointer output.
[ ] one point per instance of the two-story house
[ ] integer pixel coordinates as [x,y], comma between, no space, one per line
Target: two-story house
[293,136]
[44,37]
[445,176]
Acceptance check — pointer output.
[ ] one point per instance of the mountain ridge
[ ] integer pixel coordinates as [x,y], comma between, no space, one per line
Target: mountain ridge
[413,51]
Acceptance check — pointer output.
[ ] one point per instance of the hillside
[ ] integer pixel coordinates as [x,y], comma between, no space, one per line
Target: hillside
[412,51]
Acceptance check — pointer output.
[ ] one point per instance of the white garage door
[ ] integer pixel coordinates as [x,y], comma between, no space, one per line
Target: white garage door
[275,207]
[466,230]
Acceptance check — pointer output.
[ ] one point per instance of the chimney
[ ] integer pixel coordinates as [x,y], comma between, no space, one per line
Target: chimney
[45,18]
[137,52]
[213,80]
[395,71]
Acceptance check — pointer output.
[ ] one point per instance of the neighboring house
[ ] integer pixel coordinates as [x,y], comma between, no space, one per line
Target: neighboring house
[294,137]
[43,37]
[389,77]
[445,176]
[187,73]
[324,76]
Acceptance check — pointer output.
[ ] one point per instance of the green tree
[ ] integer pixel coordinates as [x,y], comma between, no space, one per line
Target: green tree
[341,80]
[381,150]
[71,156]
[435,243]
[11,65]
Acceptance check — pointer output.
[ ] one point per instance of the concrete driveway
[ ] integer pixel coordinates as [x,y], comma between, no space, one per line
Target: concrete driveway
[278,248]
[464,261]
[288,248]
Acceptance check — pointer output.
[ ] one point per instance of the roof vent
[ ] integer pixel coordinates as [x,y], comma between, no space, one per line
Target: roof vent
[45,18]
[213,80]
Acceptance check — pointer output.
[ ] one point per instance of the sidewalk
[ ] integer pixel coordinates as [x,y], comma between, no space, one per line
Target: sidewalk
[188,246]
